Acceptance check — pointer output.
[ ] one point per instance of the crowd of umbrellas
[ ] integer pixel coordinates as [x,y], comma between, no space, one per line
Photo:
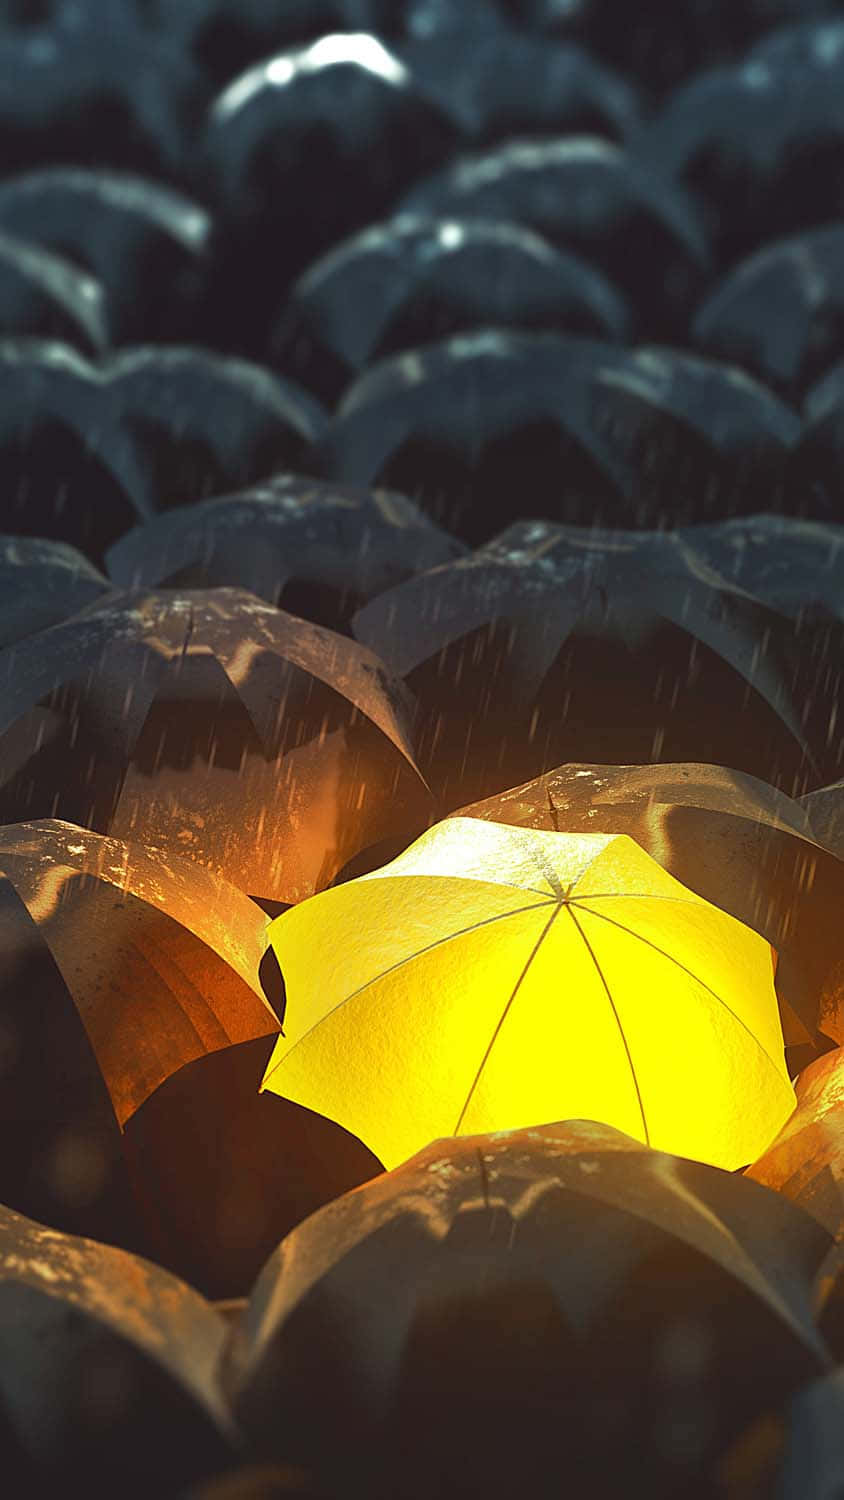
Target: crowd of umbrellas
[422,749]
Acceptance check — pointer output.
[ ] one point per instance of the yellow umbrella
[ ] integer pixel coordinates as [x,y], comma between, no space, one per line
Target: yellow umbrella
[494,977]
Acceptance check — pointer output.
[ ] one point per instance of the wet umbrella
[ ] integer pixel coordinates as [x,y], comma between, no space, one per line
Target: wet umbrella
[88,449]
[806,1160]
[221,1172]
[145,244]
[44,296]
[108,1366]
[121,962]
[734,840]
[317,550]
[590,433]
[93,88]
[345,113]
[528,1312]
[780,313]
[257,744]
[816,466]
[592,197]
[492,975]
[498,83]
[553,642]
[412,281]
[794,566]
[824,808]
[41,583]
[758,142]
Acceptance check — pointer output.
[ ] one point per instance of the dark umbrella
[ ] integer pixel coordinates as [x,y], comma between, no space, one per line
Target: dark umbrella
[734,840]
[497,83]
[411,281]
[794,566]
[758,143]
[108,1367]
[317,550]
[145,244]
[121,963]
[780,313]
[259,745]
[41,583]
[824,808]
[616,649]
[590,196]
[590,433]
[538,1283]
[44,296]
[817,464]
[345,112]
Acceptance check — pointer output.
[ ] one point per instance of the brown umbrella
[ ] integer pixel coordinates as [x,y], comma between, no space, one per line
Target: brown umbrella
[731,838]
[120,963]
[257,744]
[546,1311]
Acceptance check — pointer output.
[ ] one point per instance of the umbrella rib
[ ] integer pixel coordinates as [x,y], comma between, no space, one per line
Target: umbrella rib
[408,958]
[603,978]
[558,907]
[702,982]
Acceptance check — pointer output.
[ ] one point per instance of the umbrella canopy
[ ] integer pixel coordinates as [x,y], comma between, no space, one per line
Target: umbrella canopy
[794,566]
[42,295]
[818,457]
[824,808]
[538,1281]
[412,281]
[592,197]
[806,1160]
[498,83]
[551,639]
[758,142]
[108,1366]
[733,839]
[491,976]
[593,434]
[261,746]
[780,313]
[42,582]
[144,243]
[317,550]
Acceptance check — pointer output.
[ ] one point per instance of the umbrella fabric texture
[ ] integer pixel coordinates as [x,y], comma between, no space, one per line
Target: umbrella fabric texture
[492,976]
[498,1312]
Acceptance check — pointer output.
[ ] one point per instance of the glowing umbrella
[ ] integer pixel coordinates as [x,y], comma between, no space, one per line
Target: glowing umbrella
[492,976]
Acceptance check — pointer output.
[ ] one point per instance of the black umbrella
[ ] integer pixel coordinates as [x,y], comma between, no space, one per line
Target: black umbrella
[590,196]
[41,583]
[42,295]
[317,550]
[258,744]
[533,1312]
[346,113]
[590,433]
[759,143]
[550,643]
[817,465]
[411,281]
[780,313]
[145,244]
[796,567]
[498,83]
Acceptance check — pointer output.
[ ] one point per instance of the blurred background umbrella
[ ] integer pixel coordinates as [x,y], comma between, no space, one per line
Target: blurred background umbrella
[42,582]
[44,296]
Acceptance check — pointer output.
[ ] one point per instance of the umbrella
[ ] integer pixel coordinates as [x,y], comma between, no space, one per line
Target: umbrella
[93,87]
[452,999]
[225,36]
[780,312]
[806,1160]
[411,281]
[824,809]
[589,196]
[732,839]
[818,457]
[145,244]
[758,142]
[44,296]
[498,83]
[121,963]
[551,641]
[317,550]
[346,113]
[41,583]
[567,1310]
[108,1366]
[593,434]
[794,566]
[259,745]
[220,1172]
